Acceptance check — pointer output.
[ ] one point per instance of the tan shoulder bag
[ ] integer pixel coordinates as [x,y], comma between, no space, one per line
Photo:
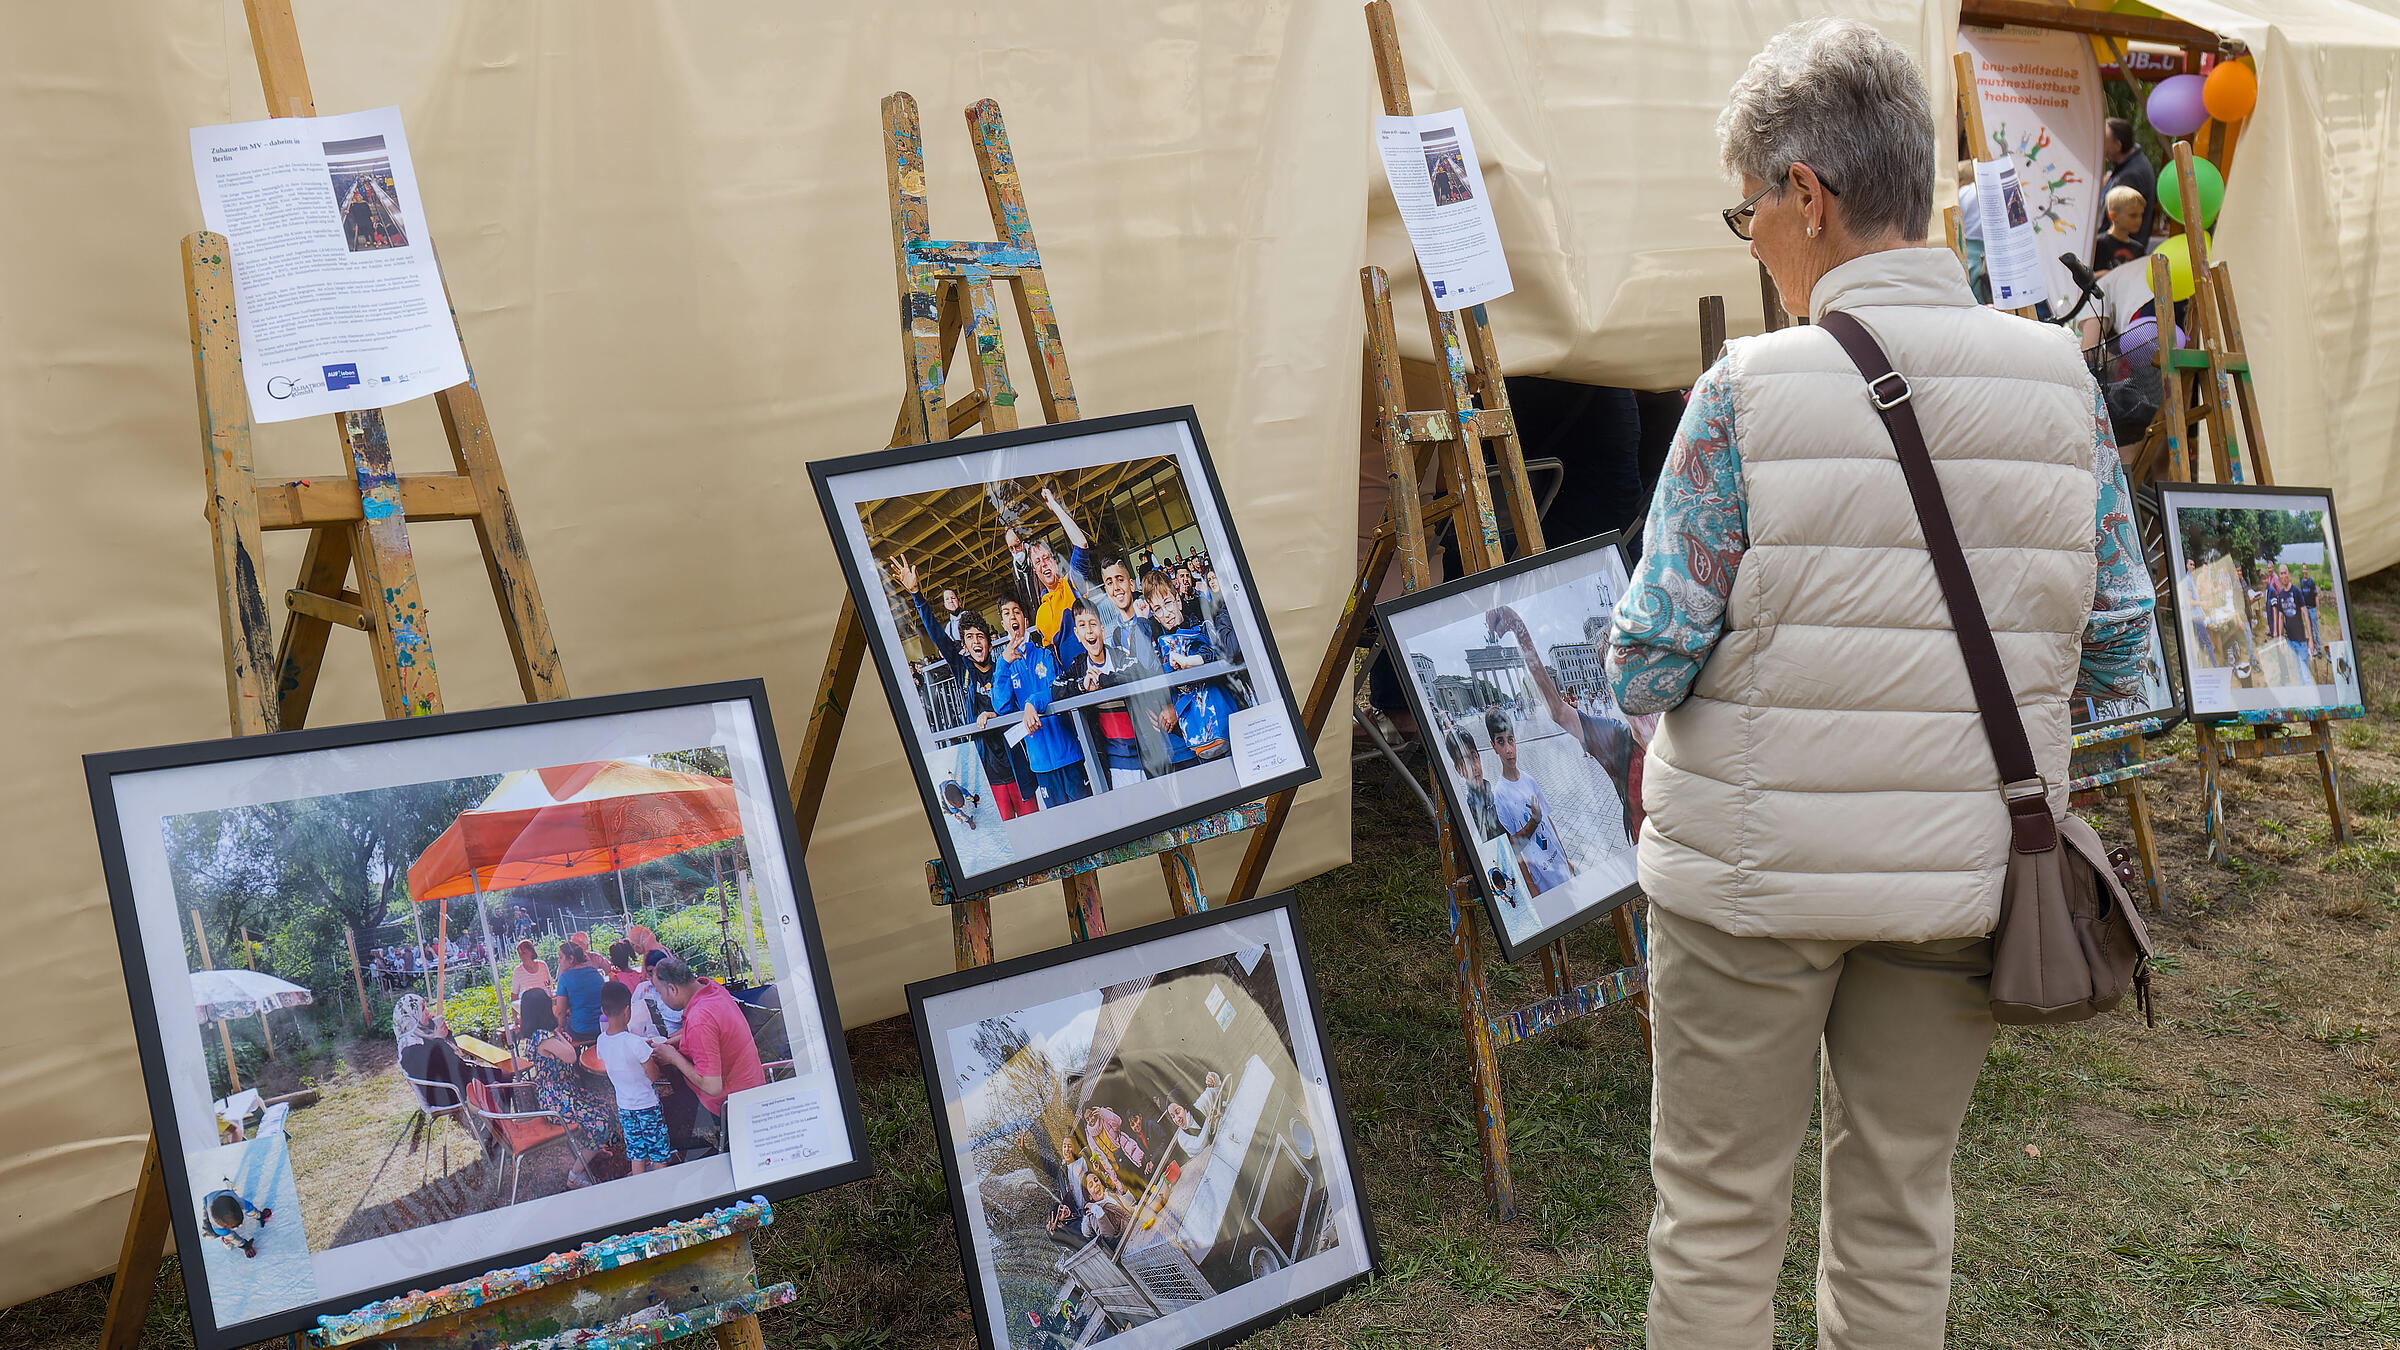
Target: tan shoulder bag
[2069,943]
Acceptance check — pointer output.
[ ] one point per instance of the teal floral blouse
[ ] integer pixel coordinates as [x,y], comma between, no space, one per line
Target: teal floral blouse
[1674,612]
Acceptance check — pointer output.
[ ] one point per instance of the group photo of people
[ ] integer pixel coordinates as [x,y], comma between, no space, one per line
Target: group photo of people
[1507,678]
[511,1047]
[1141,1149]
[2258,591]
[1076,644]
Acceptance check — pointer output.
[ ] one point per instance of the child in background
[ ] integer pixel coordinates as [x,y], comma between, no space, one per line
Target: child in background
[578,987]
[1203,709]
[627,966]
[1468,763]
[235,1221]
[627,1059]
[1099,665]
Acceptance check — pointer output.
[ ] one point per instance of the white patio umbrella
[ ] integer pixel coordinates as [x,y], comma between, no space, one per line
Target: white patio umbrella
[221,995]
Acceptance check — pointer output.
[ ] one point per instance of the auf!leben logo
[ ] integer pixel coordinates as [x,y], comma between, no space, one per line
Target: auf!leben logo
[342,376]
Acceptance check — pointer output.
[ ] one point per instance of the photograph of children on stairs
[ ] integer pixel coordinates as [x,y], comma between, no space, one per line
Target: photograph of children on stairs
[1068,633]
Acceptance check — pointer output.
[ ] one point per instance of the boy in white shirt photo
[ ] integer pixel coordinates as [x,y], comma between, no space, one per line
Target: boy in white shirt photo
[1525,813]
[626,1056]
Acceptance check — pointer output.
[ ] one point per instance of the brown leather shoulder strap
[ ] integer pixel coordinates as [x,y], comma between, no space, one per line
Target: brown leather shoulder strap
[2022,785]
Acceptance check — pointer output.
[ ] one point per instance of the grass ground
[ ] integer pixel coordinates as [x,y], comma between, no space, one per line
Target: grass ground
[2229,1179]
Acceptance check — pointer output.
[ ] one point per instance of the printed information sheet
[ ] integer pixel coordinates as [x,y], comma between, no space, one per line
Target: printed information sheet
[2012,247]
[339,300]
[1438,187]
[775,1130]
[1263,744]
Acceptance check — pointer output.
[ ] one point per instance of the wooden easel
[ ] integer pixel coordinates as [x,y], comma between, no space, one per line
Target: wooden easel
[947,289]
[2236,454]
[359,523]
[1474,417]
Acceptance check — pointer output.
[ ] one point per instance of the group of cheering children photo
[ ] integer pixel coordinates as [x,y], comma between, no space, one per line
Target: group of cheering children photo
[1068,628]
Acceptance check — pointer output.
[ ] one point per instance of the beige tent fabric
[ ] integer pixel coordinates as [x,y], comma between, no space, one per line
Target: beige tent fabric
[2311,234]
[1596,124]
[666,231]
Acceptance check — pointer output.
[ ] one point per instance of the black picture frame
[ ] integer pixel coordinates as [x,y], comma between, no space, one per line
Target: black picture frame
[102,768]
[2164,621]
[1511,950]
[867,596]
[922,992]
[2337,569]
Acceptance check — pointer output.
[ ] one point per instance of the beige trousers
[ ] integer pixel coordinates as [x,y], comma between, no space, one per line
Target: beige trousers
[1739,1025]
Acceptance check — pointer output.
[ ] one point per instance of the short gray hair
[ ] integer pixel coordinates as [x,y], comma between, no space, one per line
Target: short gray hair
[1850,103]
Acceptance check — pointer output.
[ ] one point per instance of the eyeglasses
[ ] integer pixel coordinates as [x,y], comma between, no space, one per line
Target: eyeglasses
[1738,218]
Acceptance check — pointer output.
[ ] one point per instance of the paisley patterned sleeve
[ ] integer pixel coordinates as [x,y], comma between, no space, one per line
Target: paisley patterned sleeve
[1699,527]
[2117,636]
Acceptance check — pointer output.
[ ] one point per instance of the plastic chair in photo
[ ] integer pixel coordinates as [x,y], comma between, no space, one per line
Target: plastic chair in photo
[437,1101]
[519,1132]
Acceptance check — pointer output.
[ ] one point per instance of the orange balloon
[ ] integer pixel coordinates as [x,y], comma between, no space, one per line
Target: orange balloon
[2230,92]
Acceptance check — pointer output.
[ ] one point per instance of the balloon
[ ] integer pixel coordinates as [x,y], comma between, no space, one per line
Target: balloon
[2176,106]
[2178,253]
[2212,192]
[2139,341]
[2230,91]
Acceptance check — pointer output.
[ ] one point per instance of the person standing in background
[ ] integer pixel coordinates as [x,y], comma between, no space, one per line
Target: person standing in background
[2129,167]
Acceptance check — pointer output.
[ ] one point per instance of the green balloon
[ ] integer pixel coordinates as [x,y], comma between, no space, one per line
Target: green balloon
[2212,192]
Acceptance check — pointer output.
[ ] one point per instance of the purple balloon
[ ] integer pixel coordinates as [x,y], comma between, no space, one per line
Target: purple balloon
[2139,341]
[2176,106]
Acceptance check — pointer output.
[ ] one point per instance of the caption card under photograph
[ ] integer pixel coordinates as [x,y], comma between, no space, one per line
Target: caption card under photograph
[1143,1136]
[2261,604]
[1068,636]
[1504,671]
[527,1075]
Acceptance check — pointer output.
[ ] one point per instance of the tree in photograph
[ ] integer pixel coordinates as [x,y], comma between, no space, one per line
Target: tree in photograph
[224,865]
[353,850]
[1021,1109]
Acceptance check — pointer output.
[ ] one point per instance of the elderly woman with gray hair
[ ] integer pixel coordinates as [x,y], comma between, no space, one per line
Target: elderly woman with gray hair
[1826,835]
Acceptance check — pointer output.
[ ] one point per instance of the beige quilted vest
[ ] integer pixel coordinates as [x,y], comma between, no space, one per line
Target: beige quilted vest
[1829,777]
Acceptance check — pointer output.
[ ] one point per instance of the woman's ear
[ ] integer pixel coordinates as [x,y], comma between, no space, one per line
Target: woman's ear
[1812,195]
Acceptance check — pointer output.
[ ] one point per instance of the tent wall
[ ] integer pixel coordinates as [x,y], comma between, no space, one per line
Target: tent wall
[665,228]
[1596,121]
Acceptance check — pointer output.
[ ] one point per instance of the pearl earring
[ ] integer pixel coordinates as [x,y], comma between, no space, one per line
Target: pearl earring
[1812,231]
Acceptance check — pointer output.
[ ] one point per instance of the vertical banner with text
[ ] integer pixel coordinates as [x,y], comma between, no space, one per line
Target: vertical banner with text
[2042,107]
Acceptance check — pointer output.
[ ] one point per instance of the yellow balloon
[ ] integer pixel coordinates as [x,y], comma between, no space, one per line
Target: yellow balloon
[2178,253]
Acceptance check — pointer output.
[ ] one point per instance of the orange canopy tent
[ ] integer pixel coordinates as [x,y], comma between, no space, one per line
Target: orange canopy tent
[571,820]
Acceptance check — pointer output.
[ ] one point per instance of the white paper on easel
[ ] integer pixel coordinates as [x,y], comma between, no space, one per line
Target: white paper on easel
[335,286]
[1438,187]
[775,1130]
[2012,247]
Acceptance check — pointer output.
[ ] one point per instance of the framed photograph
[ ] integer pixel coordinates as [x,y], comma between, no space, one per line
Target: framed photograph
[1068,636]
[594,996]
[2263,609]
[1143,1137]
[1503,670]
[2161,694]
